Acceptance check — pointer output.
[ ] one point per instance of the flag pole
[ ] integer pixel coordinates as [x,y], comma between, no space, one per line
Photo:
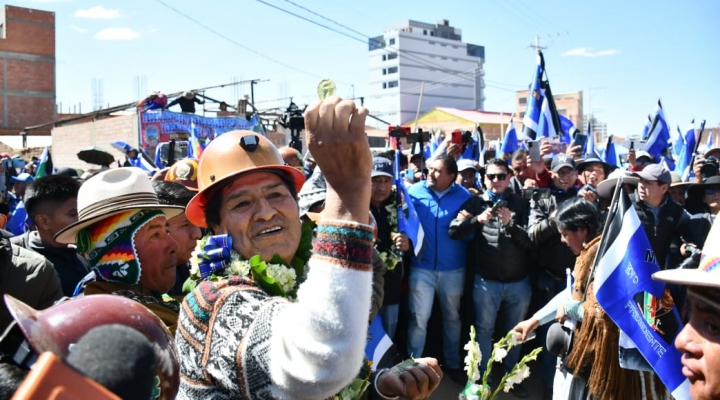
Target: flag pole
[611,212]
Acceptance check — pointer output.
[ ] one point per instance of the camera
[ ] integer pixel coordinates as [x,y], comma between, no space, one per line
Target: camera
[536,193]
[709,167]
[693,257]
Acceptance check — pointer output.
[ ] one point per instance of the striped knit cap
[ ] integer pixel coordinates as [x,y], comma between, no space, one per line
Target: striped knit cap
[109,245]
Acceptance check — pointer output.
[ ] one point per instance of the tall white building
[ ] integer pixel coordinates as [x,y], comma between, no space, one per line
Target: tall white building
[413,53]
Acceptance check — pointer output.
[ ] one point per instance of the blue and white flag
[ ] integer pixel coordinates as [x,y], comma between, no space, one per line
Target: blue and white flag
[625,290]
[380,348]
[658,138]
[568,129]
[710,141]
[534,102]
[143,162]
[45,166]
[678,141]
[686,153]
[590,142]
[408,220]
[510,141]
[546,128]
[646,128]
[611,156]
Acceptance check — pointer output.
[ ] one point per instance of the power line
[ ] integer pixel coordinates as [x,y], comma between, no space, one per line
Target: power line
[390,51]
[235,42]
[309,20]
[325,18]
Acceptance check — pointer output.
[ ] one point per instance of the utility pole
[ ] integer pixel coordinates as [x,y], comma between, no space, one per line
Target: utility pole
[252,91]
[537,46]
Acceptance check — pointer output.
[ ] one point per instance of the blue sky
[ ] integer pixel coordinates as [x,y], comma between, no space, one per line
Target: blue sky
[625,54]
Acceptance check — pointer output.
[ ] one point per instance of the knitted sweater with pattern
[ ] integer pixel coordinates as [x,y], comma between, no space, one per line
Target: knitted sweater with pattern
[235,341]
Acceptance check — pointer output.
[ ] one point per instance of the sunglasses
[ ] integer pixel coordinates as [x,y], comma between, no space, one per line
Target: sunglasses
[500,177]
[712,191]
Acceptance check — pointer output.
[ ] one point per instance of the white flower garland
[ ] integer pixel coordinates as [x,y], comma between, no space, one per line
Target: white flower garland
[285,276]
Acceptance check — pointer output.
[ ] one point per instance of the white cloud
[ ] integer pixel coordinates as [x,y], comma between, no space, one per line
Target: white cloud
[97,12]
[78,29]
[117,34]
[588,52]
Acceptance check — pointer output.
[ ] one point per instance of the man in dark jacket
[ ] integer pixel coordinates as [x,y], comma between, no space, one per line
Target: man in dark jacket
[498,256]
[389,241]
[187,102]
[51,204]
[28,277]
[663,220]
[553,256]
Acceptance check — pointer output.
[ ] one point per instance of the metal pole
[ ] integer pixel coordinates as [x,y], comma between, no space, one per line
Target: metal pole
[252,92]
[417,113]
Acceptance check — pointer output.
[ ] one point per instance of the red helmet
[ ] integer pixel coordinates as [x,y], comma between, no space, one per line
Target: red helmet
[56,328]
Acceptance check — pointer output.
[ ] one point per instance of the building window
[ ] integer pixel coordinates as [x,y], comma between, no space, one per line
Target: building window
[454,47]
[522,100]
[424,31]
[431,42]
[384,57]
[522,115]
[392,56]
[443,58]
[432,33]
[562,111]
[392,70]
[443,45]
[392,41]
[392,84]
[384,85]
[384,71]
[455,59]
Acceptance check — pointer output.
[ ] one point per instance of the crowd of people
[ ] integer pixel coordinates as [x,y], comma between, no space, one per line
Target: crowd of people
[262,268]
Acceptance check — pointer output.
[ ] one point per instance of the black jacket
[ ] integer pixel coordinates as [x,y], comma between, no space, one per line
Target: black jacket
[70,266]
[500,252]
[553,256]
[671,224]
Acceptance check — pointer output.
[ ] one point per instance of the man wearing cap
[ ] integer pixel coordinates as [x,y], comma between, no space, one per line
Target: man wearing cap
[18,215]
[592,170]
[389,240]
[553,256]
[639,160]
[51,204]
[663,220]
[238,337]
[467,176]
[122,233]
[498,256]
[699,340]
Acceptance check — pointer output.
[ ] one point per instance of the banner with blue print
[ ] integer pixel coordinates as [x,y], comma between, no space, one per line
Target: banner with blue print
[642,308]
[162,126]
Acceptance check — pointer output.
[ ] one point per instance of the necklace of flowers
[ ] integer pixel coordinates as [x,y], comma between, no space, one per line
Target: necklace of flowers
[391,256]
[215,258]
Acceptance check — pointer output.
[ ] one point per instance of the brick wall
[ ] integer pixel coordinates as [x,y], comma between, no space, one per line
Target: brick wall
[27,69]
[68,140]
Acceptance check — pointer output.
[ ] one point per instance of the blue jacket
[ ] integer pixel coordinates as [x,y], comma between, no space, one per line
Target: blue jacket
[441,252]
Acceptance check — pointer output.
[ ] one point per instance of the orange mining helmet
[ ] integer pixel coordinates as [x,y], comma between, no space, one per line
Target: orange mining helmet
[227,157]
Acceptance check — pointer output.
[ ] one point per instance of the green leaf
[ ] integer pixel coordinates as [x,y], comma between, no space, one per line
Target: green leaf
[260,276]
[189,285]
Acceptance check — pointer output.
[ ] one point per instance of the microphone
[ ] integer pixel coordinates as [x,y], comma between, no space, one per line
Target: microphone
[119,358]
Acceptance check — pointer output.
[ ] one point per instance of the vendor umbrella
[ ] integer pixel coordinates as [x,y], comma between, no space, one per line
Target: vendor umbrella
[96,155]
